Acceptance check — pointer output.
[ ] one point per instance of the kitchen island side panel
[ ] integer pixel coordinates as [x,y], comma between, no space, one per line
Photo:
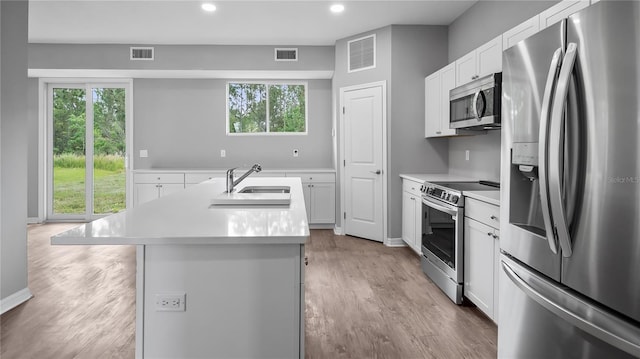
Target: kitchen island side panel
[242,301]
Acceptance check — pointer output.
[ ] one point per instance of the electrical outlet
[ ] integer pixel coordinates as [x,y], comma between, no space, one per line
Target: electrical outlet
[171,302]
[144,153]
[223,153]
[466,155]
[295,153]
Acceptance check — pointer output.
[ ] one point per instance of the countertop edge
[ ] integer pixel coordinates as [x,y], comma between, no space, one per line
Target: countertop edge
[492,197]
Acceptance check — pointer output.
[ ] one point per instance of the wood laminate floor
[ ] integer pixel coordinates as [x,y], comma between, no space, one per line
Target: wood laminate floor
[363,300]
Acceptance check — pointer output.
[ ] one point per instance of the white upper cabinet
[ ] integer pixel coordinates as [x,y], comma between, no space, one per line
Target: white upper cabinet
[560,11]
[480,62]
[437,87]
[520,32]
[489,57]
[466,68]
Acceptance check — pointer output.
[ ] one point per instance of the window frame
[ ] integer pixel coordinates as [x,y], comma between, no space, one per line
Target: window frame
[268,83]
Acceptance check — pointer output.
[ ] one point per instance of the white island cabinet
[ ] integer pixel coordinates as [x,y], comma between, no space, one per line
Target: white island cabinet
[213,281]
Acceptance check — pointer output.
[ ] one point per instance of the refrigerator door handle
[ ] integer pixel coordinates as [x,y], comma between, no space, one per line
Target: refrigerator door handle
[556,152]
[576,311]
[554,69]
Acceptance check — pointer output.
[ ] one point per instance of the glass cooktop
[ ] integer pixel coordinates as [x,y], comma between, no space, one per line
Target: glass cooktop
[470,186]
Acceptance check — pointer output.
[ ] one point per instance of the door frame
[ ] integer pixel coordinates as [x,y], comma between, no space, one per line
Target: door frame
[45,129]
[341,155]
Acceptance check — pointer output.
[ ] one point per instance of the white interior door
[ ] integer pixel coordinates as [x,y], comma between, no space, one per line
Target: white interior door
[363,114]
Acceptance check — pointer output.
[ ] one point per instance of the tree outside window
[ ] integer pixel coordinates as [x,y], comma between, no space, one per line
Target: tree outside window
[263,108]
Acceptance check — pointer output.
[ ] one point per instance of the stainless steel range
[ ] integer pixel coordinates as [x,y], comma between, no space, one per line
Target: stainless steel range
[443,234]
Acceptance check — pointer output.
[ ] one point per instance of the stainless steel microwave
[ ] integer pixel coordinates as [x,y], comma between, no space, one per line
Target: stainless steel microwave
[476,105]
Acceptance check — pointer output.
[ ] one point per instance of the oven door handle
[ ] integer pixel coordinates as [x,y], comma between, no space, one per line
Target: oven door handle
[435,205]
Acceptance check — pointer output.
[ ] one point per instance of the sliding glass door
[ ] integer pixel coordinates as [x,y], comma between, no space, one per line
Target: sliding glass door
[87,151]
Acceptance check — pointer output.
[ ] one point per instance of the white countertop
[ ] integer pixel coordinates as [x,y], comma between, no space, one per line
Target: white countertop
[492,197]
[224,170]
[187,217]
[436,177]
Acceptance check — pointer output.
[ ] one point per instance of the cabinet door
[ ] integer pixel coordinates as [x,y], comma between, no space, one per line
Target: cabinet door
[559,11]
[447,83]
[306,191]
[520,32]
[168,188]
[145,192]
[479,264]
[417,237]
[466,68]
[489,57]
[408,219]
[496,275]
[432,103]
[323,203]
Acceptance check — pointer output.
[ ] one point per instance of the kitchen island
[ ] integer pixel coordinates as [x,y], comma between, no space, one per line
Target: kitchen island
[213,281]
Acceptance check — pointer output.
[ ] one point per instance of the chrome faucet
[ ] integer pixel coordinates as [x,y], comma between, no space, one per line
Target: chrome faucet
[231,183]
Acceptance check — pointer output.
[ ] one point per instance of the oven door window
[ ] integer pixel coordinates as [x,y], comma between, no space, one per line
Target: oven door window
[439,235]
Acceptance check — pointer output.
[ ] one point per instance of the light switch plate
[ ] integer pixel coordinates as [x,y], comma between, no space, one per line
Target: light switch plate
[144,153]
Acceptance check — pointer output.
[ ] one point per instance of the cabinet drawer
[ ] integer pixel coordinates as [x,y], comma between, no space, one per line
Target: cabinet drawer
[482,212]
[314,176]
[159,178]
[201,177]
[412,187]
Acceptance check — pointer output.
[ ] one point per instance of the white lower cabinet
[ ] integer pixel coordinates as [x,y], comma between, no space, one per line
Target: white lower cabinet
[481,255]
[150,186]
[412,215]
[319,189]
[319,196]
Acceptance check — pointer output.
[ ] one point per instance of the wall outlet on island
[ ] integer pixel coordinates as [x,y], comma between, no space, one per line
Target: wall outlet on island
[171,302]
[223,153]
[466,155]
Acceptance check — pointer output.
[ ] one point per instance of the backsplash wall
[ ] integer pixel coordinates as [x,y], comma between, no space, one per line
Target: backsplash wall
[484,156]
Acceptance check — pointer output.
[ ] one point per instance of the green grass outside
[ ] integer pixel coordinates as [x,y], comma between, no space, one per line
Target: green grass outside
[69,185]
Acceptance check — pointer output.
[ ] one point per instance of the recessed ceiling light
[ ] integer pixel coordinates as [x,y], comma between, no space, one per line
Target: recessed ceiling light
[337,8]
[208,7]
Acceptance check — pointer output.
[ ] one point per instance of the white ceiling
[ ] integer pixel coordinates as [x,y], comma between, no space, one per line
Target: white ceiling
[235,22]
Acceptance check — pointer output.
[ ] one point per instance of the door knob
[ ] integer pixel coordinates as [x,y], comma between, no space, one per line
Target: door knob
[377,172]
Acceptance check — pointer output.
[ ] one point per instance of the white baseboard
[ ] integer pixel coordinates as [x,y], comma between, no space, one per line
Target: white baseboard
[337,231]
[14,300]
[33,220]
[394,242]
[321,226]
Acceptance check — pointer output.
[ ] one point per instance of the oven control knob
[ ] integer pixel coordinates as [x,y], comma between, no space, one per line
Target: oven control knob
[454,199]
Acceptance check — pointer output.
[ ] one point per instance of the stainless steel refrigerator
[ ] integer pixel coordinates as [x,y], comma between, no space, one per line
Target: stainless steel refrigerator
[570,244]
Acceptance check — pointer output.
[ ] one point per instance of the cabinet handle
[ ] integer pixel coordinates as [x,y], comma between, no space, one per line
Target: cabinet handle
[438,132]
[489,234]
[494,218]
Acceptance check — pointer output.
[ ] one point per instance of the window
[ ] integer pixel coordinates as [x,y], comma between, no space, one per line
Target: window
[266,108]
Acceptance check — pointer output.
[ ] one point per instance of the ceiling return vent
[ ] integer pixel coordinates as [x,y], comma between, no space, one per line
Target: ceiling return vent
[141,53]
[286,54]
[362,53]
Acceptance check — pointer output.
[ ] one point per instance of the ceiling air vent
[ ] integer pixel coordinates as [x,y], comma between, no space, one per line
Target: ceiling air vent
[287,54]
[141,53]
[362,53]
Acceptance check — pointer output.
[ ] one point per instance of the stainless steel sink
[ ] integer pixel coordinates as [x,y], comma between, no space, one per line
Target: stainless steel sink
[266,189]
[255,196]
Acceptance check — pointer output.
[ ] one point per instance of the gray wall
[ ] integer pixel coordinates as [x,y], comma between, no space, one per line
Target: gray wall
[182,124]
[177,57]
[406,54]
[416,52]
[482,22]
[13,151]
[488,19]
